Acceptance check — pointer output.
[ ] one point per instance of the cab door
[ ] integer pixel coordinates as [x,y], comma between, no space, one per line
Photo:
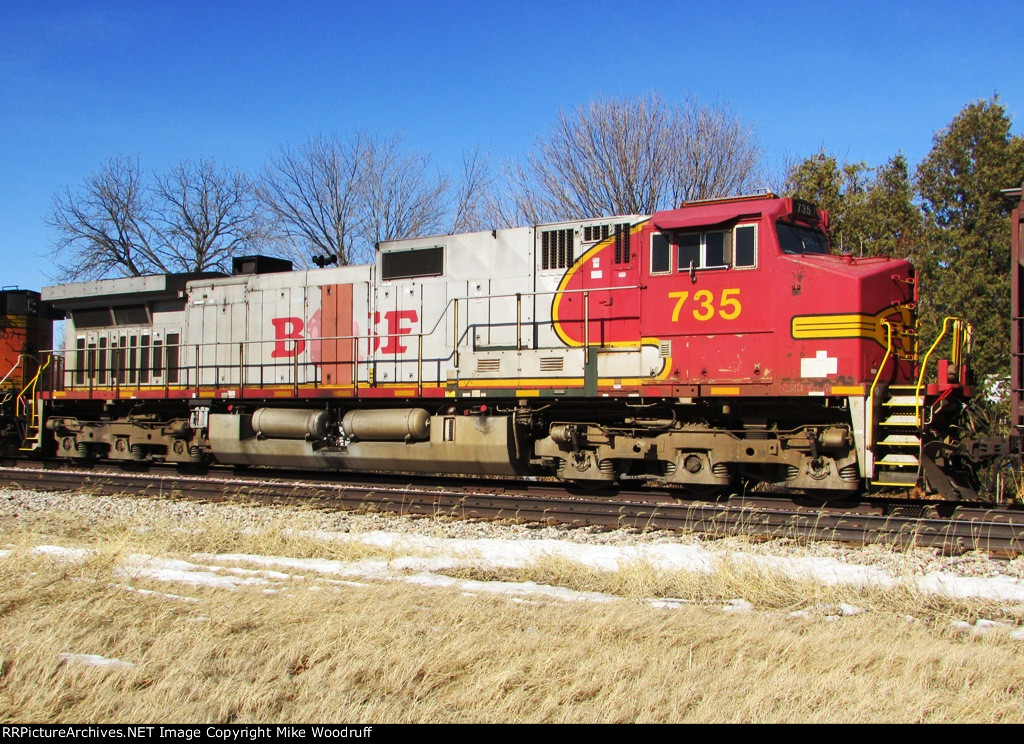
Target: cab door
[707,305]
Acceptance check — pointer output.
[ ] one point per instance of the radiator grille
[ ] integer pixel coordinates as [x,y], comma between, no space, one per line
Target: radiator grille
[622,243]
[413,263]
[556,249]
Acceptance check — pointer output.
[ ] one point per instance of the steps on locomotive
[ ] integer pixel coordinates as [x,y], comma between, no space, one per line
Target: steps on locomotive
[897,455]
[902,440]
[901,419]
[32,441]
[914,401]
[29,414]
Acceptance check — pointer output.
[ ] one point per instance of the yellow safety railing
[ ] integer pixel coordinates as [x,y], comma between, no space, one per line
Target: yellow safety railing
[962,332]
[885,359]
[30,388]
[902,334]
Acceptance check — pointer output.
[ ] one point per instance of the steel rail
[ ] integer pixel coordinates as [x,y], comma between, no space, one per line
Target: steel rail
[960,529]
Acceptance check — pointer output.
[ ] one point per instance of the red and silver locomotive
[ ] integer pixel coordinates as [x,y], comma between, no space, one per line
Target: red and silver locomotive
[698,346]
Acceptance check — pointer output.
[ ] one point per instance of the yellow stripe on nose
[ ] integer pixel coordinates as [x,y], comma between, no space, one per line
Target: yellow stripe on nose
[851,325]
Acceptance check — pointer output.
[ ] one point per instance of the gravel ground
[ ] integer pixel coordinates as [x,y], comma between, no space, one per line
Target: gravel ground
[92,509]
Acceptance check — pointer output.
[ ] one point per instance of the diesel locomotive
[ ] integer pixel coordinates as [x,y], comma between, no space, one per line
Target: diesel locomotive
[722,341]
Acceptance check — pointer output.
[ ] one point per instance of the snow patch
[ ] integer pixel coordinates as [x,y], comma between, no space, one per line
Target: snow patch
[984,627]
[72,555]
[94,660]
[184,572]
[737,605]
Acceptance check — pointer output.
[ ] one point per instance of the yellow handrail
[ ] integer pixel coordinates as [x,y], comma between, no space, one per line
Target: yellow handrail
[869,425]
[885,359]
[961,333]
[31,384]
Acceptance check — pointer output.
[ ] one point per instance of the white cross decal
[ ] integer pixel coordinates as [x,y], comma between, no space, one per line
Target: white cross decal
[820,365]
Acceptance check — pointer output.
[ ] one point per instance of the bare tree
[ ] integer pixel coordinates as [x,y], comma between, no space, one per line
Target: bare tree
[631,156]
[120,223]
[103,227]
[400,198]
[338,197]
[471,204]
[205,215]
[712,153]
[314,190]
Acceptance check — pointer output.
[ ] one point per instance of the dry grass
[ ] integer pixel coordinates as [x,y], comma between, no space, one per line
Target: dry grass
[156,533]
[391,652]
[761,587]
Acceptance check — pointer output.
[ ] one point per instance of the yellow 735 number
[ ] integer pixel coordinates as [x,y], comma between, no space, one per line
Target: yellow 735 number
[729,307]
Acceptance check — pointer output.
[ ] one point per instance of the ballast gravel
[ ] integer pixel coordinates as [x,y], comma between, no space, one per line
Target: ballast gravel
[91,510]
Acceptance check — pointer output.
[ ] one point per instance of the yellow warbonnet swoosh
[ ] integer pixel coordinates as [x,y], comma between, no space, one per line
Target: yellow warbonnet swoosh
[567,280]
[850,325]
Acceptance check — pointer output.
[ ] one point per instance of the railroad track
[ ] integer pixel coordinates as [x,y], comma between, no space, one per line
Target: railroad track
[949,527]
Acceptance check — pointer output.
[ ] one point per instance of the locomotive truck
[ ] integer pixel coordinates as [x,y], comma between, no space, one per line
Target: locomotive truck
[695,347]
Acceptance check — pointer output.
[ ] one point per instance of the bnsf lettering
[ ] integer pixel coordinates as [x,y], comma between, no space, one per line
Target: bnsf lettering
[289,340]
[394,320]
[285,329]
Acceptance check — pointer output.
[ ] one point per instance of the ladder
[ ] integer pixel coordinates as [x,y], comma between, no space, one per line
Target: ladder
[898,440]
[898,446]
[29,410]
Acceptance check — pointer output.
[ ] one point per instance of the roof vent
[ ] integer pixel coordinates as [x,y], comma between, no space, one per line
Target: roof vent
[259,265]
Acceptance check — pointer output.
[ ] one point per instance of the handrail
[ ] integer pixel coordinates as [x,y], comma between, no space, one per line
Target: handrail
[885,359]
[919,409]
[869,427]
[31,384]
[450,309]
[540,293]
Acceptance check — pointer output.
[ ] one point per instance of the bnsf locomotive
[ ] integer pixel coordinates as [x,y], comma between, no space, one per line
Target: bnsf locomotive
[698,346]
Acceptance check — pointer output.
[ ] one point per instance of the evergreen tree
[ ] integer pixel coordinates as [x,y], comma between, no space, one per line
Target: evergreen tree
[966,263]
[871,212]
[890,222]
[838,189]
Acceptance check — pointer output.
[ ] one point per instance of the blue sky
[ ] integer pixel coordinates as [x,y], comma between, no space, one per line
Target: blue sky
[83,81]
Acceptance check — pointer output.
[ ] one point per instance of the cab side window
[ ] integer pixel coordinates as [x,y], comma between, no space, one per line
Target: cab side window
[712,249]
[745,240]
[689,249]
[661,253]
[703,250]
[715,249]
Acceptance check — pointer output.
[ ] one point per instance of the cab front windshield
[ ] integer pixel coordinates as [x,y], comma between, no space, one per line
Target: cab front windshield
[801,240]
